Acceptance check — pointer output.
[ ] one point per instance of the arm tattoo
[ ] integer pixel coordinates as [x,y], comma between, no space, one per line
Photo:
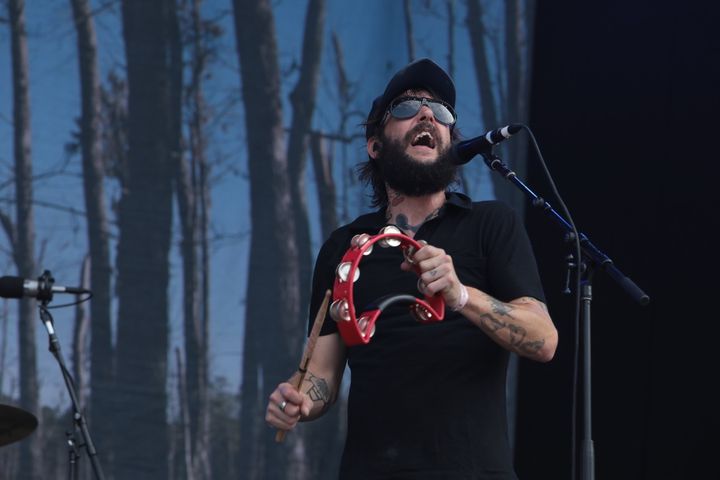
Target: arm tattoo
[534,300]
[318,390]
[502,309]
[532,347]
[516,333]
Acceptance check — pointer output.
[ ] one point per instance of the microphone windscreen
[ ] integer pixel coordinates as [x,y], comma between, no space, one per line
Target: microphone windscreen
[463,152]
[11,287]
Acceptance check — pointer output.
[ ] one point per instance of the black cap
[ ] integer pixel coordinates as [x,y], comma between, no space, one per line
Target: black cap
[422,73]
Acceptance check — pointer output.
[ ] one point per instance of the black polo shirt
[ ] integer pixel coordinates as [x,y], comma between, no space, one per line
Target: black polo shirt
[427,401]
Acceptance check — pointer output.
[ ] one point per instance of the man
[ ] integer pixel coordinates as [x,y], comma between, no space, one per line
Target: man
[426,401]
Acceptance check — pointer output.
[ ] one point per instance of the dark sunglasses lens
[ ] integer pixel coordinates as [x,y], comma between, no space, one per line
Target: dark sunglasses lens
[442,113]
[408,108]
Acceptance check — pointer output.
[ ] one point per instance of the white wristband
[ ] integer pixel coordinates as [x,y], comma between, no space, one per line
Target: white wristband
[463,299]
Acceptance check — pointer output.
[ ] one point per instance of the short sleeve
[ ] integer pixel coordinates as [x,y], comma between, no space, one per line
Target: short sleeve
[323,278]
[512,268]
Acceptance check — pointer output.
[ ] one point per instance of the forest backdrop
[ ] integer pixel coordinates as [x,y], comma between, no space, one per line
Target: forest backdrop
[184,160]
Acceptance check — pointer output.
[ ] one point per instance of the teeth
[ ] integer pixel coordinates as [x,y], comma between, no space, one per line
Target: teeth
[424,136]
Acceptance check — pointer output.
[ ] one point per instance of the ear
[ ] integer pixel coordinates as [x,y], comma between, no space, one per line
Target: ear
[373,147]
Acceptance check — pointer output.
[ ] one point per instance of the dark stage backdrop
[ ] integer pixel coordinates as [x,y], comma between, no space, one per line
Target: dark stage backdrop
[624,103]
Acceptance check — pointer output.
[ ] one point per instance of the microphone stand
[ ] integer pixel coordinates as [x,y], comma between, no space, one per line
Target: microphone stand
[592,257]
[44,295]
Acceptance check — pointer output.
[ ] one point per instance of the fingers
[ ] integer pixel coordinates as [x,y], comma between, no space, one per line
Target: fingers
[409,262]
[441,285]
[435,269]
[307,405]
[437,274]
[285,407]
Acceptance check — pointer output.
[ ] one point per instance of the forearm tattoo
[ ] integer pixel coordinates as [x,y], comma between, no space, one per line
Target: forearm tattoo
[535,301]
[318,390]
[501,319]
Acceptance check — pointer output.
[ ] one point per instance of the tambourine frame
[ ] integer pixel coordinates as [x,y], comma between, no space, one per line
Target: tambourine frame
[359,331]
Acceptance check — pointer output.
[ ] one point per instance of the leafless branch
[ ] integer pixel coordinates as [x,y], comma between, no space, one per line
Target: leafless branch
[409,30]
[52,206]
[9,228]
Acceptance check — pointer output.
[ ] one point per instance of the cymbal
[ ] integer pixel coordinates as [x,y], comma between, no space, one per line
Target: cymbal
[15,424]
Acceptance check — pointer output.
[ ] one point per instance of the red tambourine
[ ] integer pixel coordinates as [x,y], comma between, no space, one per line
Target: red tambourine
[358,330]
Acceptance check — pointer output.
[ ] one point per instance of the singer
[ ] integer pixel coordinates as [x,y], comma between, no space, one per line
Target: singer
[427,400]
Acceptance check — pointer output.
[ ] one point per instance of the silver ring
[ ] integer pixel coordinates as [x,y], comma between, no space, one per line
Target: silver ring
[282,405]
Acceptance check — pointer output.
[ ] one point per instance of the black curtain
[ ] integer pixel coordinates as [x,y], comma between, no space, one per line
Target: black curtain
[624,105]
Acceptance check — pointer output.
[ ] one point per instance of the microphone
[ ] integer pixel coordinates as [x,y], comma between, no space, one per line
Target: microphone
[467,149]
[16,287]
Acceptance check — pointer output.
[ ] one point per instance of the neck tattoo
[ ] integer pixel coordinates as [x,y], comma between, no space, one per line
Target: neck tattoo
[402,221]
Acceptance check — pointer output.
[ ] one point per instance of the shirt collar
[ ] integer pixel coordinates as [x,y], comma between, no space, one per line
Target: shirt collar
[376,220]
[458,199]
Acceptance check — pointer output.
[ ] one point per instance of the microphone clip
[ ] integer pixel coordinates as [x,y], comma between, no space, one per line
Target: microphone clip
[45,287]
[495,163]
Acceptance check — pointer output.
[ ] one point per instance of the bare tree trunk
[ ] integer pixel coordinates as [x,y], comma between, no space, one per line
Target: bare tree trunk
[409,36]
[191,184]
[513,60]
[24,235]
[481,62]
[204,444]
[273,292]
[342,81]
[185,434]
[80,360]
[101,348]
[303,102]
[515,95]
[145,222]
[450,5]
[302,99]
[518,20]
[79,344]
[344,106]
[322,165]
[198,379]
[490,117]
[347,175]
[326,436]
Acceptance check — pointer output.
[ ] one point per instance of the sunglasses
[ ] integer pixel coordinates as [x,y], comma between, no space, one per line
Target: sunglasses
[407,107]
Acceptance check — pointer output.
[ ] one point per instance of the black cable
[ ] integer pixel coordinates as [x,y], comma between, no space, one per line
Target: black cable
[82,300]
[578,274]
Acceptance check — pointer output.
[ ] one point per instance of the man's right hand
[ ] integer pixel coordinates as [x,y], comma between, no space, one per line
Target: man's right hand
[286,406]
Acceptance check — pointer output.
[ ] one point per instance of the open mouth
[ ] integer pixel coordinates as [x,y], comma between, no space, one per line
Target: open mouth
[423,139]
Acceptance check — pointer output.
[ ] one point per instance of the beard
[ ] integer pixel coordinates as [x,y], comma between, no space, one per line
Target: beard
[411,177]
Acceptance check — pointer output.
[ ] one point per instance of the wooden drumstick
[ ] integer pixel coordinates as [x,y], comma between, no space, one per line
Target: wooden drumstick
[307,355]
